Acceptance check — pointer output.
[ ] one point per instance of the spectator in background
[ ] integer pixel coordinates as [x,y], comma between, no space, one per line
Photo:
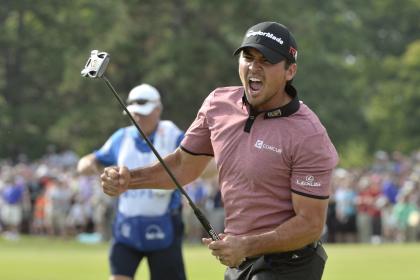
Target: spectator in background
[390,186]
[38,221]
[403,211]
[369,215]
[78,216]
[14,196]
[345,208]
[148,222]
[58,198]
[390,190]
[330,230]
[381,162]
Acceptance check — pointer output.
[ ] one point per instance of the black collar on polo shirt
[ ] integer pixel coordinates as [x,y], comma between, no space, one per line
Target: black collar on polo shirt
[283,111]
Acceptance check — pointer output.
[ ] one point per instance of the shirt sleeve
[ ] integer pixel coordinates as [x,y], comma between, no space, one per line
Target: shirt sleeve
[108,154]
[179,139]
[197,140]
[314,160]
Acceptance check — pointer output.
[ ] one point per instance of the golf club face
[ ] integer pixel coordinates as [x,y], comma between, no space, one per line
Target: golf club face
[96,65]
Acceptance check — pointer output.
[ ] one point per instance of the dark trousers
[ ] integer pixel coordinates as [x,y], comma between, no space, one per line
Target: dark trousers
[304,264]
[163,264]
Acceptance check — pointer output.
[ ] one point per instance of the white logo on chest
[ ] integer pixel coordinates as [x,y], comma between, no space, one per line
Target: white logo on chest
[260,145]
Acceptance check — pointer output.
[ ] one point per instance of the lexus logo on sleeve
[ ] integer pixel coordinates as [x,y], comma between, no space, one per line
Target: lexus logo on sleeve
[308,181]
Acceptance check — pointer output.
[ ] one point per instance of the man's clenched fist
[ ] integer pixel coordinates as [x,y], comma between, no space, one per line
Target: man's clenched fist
[115,179]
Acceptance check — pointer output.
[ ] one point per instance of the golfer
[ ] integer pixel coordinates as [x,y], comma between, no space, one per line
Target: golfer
[148,222]
[274,159]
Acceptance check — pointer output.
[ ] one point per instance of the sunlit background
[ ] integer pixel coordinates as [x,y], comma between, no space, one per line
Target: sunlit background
[358,69]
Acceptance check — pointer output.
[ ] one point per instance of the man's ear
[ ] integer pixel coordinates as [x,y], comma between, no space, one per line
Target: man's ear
[291,71]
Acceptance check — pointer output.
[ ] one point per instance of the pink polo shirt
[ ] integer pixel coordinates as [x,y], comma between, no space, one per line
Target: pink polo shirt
[259,169]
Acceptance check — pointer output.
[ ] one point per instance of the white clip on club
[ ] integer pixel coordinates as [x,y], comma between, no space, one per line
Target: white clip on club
[96,65]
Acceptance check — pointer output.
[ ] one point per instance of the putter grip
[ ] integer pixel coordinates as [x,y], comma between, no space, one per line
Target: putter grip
[206,224]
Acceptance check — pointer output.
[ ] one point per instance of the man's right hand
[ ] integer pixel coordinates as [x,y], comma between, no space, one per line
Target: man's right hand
[115,179]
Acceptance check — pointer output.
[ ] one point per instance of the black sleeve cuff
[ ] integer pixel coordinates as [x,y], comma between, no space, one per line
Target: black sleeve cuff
[311,195]
[195,154]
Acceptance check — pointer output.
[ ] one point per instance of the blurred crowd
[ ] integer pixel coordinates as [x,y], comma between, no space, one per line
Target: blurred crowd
[380,203]
[46,197]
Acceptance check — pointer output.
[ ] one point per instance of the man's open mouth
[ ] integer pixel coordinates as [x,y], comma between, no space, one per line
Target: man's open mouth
[255,84]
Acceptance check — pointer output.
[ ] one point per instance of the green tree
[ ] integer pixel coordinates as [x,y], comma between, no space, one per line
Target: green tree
[38,42]
[353,58]
[395,107]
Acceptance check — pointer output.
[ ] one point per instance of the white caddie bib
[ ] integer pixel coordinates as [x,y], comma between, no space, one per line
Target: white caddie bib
[147,202]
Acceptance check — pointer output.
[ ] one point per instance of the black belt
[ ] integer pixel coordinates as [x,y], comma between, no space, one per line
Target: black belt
[310,247]
[275,263]
[313,245]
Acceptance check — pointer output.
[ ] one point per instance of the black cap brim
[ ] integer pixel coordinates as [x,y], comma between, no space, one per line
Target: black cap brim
[272,56]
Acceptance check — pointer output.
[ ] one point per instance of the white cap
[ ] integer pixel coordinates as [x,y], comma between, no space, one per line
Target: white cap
[148,98]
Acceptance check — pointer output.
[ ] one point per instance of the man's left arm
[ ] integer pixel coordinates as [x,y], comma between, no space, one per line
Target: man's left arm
[304,228]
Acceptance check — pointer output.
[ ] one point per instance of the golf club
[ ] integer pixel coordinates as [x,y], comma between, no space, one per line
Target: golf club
[95,68]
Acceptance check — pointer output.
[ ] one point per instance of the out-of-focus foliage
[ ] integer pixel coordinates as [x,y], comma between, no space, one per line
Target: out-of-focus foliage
[40,54]
[394,108]
[359,66]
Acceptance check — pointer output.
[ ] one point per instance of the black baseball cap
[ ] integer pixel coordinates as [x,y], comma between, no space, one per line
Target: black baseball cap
[273,40]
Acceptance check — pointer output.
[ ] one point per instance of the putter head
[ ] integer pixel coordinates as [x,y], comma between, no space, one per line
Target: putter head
[96,65]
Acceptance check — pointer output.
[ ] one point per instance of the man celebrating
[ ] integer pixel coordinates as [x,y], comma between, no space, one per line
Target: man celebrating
[148,221]
[274,159]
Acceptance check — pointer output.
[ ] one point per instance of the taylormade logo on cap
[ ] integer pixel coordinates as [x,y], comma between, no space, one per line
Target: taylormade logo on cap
[273,40]
[266,34]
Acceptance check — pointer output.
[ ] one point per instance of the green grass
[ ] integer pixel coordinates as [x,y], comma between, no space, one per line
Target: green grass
[34,258]
[372,262]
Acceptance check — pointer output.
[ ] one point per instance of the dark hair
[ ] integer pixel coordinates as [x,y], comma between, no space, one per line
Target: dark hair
[287,64]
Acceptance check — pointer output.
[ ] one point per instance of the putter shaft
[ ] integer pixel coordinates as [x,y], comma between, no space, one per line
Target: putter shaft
[203,220]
